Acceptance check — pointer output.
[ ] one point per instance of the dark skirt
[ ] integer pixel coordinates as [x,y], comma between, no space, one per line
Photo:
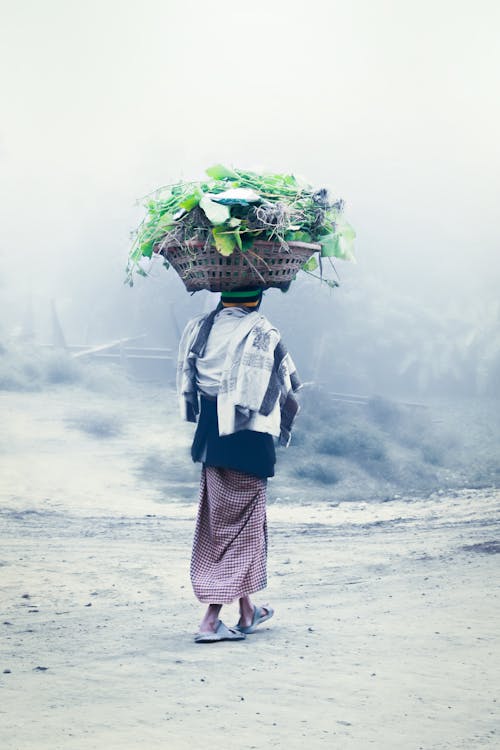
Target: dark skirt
[246,451]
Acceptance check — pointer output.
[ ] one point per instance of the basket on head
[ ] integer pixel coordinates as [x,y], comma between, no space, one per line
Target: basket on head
[267,264]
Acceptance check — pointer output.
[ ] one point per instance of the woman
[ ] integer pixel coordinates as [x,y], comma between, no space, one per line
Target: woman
[237,380]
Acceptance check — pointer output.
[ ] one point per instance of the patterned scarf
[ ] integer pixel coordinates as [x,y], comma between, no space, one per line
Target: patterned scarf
[258,370]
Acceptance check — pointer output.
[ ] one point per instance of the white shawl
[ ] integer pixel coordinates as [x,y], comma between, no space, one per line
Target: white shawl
[257,382]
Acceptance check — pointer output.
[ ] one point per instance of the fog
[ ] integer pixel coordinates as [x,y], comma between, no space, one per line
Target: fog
[383,514]
[391,105]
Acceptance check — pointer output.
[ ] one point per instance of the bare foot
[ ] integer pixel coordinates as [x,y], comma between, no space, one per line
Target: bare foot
[246,617]
[211,620]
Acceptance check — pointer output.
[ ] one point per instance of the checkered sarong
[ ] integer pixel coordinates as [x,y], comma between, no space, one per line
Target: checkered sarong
[230,540]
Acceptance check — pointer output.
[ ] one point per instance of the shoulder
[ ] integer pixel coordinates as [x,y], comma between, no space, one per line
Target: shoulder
[193,324]
[264,335]
[197,319]
[265,325]
[190,332]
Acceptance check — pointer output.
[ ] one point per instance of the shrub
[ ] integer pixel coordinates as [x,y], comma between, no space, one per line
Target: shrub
[299,437]
[173,476]
[434,453]
[97,424]
[60,368]
[26,367]
[316,472]
[387,414]
[354,443]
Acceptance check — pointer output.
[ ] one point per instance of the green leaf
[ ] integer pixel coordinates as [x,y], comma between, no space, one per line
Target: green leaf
[246,242]
[325,230]
[332,216]
[347,236]
[339,244]
[192,200]
[146,248]
[298,236]
[345,229]
[329,245]
[220,172]
[215,212]
[237,237]
[165,223]
[224,241]
[311,265]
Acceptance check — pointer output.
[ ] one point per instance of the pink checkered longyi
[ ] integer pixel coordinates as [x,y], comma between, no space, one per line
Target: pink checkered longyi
[230,540]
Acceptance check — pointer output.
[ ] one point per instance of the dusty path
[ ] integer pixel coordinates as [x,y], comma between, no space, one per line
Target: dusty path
[385,632]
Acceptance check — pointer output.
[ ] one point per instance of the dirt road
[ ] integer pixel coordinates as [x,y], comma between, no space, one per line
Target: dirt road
[385,633]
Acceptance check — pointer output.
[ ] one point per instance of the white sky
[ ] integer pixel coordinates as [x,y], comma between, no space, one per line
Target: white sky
[393,105]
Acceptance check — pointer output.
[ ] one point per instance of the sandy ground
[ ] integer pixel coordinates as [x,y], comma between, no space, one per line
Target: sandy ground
[385,633]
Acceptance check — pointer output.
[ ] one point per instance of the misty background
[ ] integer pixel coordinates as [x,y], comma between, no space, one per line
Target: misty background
[391,105]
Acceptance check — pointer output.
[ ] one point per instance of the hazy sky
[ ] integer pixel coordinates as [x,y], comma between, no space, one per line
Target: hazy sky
[393,105]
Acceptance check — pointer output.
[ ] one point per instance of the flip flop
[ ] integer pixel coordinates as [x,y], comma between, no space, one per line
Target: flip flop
[222,633]
[257,619]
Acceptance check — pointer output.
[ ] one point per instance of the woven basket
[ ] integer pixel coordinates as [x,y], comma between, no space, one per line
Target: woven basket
[267,264]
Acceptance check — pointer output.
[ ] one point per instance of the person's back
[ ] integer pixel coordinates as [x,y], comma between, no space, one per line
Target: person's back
[236,376]
[209,366]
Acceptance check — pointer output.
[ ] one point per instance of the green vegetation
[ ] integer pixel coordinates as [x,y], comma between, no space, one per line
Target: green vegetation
[234,208]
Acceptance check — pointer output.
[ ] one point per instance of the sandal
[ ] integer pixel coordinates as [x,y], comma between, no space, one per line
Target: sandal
[222,633]
[257,619]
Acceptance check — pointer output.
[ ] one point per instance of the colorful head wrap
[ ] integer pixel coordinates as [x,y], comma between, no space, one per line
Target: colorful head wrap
[247,297]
